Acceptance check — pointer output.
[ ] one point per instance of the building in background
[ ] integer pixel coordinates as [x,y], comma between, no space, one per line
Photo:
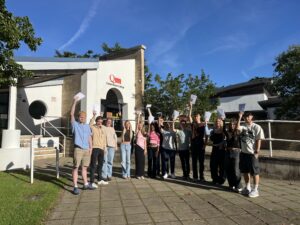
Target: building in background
[114,84]
[254,93]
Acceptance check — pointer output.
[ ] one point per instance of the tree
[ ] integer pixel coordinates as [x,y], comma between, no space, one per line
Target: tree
[13,31]
[173,93]
[90,53]
[287,82]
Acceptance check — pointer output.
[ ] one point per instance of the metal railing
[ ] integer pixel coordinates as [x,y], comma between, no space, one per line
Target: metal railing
[25,126]
[270,139]
[44,131]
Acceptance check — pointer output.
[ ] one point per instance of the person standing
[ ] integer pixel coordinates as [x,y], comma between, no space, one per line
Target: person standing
[251,136]
[140,149]
[232,157]
[99,150]
[82,147]
[127,136]
[183,136]
[153,149]
[111,140]
[168,149]
[217,157]
[198,144]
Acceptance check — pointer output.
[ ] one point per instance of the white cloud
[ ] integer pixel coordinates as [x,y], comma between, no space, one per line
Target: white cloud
[83,26]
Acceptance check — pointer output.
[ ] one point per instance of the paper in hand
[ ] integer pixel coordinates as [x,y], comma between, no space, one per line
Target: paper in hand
[207,116]
[150,119]
[193,99]
[242,107]
[96,108]
[175,114]
[79,96]
[148,106]
[221,113]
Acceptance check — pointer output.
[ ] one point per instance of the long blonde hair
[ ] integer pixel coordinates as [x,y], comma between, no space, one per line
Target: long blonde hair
[124,129]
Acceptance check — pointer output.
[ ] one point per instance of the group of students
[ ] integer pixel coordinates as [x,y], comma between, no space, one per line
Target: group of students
[94,147]
[235,150]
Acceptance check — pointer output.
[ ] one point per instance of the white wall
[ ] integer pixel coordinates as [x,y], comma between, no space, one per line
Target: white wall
[231,104]
[96,84]
[50,95]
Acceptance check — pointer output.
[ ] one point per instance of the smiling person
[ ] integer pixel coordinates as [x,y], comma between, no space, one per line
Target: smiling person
[82,147]
[127,136]
[251,136]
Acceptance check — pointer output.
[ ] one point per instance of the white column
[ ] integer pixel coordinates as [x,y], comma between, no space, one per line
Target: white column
[12,109]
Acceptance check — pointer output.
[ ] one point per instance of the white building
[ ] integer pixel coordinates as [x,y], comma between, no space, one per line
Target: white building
[251,93]
[115,83]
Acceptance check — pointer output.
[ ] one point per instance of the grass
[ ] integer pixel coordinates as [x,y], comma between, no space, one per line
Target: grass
[25,203]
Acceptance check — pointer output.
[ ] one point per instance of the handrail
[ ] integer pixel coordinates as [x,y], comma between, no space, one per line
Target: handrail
[64,136]
[24,126]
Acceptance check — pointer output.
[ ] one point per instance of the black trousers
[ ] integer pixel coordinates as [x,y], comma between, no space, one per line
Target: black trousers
[152,161]
[97,156]
[139,161]
[232,160]
[198,153]
[184,156]
[217,165]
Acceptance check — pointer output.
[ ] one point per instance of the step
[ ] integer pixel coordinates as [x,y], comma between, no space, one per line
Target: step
[47,156]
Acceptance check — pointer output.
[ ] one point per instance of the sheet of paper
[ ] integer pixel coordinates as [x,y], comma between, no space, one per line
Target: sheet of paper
[96,108]
[148,106]
[79,96]
[221,113]
[207,116]
[175,114]
[242,107]
[193,99]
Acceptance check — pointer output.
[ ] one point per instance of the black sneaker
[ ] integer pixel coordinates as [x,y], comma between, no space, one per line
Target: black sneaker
[76,191]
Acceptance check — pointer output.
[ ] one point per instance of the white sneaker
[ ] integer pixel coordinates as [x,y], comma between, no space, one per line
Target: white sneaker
[93,185]
[245,191]
[142,177]
[102,182]
[173,176]
[253,194]
[165,176]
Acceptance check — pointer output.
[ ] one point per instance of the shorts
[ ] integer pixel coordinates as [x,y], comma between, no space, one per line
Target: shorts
[249,164]
[81,157]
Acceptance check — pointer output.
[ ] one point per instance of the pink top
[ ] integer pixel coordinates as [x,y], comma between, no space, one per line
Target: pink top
[154,138]
[140,140]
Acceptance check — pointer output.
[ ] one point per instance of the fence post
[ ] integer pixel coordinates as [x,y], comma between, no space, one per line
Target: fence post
[31,160]
[270,138]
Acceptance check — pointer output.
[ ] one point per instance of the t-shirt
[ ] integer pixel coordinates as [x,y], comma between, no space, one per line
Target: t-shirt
[82,133]
[183,139]
[249,134]
[168,139]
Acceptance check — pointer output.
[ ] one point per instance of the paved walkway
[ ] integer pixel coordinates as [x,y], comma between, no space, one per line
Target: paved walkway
[176,202]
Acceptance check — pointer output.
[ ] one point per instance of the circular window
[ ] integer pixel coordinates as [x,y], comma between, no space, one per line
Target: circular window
[37,109]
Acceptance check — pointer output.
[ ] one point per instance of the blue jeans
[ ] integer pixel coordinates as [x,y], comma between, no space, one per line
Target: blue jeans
[108,161]
[125,155]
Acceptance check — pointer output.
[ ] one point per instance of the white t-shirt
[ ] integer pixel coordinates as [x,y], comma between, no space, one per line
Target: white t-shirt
[249,134]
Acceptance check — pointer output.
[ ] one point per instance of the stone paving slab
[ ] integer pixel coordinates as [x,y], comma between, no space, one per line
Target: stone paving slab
[175,201]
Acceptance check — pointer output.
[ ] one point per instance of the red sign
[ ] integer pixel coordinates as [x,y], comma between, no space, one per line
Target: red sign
[114,79]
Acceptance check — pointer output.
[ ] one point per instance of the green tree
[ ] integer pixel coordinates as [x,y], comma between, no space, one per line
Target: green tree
[13,31]
[173,93]
[287,82]
[90,53]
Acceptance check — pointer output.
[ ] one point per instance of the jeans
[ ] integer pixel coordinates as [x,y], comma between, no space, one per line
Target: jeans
[108,161]
[97,156]
[185,162]
[152,161]
[232,168]
[166,155]
[125,155]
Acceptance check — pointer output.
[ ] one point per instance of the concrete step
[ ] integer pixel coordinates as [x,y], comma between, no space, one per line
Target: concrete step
[47,156]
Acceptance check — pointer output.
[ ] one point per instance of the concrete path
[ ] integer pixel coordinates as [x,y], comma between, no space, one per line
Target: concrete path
[177,202]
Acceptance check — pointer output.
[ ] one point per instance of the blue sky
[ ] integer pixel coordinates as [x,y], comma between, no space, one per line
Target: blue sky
[232,41]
